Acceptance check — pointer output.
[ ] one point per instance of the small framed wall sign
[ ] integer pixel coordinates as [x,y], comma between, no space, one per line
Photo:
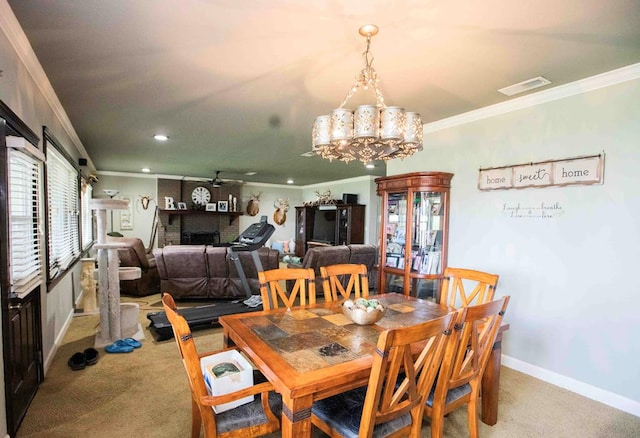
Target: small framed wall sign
[126,215]
[223,206]
[570,171]
[211,206]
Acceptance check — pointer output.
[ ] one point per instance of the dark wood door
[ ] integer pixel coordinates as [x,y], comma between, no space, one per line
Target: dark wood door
[23,353]
[21,323]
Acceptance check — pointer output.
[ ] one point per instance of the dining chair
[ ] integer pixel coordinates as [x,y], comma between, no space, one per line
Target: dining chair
[338,281]
[392,402]
[287,286]
[467,287]
[458,381]
[257,418]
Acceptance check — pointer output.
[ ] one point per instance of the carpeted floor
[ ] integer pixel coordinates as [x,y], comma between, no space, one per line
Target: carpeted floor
[145,394]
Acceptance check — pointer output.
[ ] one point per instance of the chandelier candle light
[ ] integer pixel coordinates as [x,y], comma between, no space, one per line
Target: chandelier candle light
[371,132]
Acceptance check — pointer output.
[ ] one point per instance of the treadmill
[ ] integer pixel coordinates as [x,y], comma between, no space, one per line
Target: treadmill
[205,316]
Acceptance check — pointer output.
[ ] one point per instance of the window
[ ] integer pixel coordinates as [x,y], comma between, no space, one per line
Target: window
[64,208]
[87,218]
[25,181]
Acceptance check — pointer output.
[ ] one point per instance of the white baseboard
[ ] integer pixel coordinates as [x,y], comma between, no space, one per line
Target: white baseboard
[600,395]
[57,342]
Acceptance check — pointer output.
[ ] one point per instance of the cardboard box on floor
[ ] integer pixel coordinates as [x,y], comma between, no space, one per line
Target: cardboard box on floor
[221,377]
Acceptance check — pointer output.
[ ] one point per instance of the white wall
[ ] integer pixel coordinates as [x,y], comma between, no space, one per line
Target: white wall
[132,187]
[573,311]
[269,194]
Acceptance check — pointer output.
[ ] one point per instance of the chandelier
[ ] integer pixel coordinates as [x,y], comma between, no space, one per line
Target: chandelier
[371,132]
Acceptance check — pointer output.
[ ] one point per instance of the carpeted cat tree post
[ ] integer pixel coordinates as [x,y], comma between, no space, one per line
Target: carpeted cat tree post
[109,276]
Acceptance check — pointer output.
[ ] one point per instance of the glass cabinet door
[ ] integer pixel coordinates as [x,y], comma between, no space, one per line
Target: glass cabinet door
[426,236]
[426,243]
[396,234]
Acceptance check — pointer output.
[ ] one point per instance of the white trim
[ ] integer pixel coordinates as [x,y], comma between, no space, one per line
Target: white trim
[612,77]
[58,342]
[17,38]
[244,183]
[594,393]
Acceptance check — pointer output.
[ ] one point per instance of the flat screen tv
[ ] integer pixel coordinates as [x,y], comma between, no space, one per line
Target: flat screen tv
[324,226]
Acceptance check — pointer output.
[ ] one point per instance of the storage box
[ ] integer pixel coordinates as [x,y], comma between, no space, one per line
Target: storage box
[226,372]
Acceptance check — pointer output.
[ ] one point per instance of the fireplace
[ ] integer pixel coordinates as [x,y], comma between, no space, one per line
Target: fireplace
[200,238]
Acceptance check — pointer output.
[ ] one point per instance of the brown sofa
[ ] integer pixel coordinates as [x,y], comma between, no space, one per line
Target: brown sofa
[208,272]
[135,255]
[319,256]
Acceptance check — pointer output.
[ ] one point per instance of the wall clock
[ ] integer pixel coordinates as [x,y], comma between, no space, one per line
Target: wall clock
[200,195]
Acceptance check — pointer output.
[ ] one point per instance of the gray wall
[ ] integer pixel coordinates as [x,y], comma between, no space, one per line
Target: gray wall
[573,310]
[26,90]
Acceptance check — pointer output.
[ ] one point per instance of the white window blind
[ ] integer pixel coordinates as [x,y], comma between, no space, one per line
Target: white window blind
[26,259]
[87,218]
[62,180]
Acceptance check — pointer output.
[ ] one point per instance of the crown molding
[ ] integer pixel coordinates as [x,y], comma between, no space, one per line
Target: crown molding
[20,43]
[602,80]
[244,183]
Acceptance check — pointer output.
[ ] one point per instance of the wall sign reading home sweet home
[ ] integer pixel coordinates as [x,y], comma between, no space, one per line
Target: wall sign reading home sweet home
[579,170]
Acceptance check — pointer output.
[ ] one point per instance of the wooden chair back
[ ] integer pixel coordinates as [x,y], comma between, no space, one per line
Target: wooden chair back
[339,281]
[287,287]
[464,363]
[201,402]
[401,377]
[466,287]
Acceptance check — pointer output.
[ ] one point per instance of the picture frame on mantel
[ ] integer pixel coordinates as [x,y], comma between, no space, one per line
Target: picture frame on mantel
[211,206]
[182,205]
[223,206]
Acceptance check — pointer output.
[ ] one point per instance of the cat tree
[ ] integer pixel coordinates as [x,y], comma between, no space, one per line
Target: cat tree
[113,325]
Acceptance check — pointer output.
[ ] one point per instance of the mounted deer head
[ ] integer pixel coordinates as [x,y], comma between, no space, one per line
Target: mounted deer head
[253,207]
[282,207]
[144,200]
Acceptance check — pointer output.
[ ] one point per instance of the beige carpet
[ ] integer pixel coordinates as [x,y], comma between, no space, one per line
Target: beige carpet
[145,394]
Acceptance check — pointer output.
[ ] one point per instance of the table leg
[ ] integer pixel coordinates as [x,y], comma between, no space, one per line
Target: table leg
[226,340]
[491,384]
[296,417]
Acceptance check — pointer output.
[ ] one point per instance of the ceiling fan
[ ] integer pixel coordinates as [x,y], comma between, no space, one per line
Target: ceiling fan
[217,181]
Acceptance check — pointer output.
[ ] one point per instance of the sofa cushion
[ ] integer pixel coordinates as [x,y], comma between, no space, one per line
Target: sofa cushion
[183,270]
[325,256]
[133,254]
[361,254]
[269,259]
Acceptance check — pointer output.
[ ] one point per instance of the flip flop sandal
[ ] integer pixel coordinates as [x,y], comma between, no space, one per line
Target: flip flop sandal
[132,342]
[91,356]
[118,346]
[77,362]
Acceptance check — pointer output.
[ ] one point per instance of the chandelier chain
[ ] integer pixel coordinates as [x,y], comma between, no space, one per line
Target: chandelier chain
[367,77]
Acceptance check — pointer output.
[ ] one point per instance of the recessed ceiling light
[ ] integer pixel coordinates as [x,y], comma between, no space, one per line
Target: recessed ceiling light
[250,173]
[145,170]
[523,86]
[161,137]
[308,154]
[289,181]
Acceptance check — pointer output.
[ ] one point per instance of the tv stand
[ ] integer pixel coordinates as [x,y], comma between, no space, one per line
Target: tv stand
[348,228]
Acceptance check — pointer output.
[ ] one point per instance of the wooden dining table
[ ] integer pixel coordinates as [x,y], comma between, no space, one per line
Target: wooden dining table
[312,352]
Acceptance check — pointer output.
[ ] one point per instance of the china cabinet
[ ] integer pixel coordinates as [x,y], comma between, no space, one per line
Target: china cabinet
[413,232]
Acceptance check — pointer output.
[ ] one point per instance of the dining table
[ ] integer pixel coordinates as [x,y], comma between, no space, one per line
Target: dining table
[314,351]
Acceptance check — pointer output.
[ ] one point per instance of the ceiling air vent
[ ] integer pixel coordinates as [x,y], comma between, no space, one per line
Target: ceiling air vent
[527,85]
